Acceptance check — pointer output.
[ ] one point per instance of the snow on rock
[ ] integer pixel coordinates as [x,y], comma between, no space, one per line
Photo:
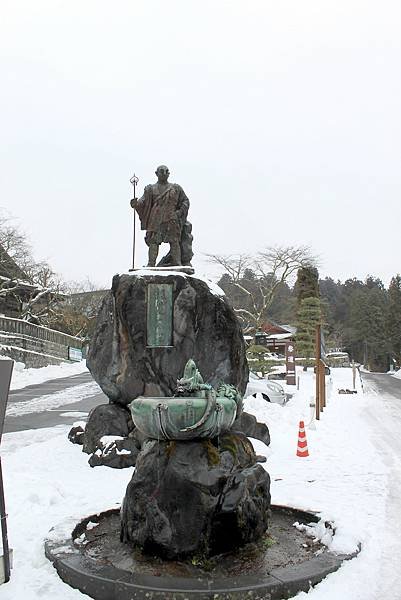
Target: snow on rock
[106,440]
[213,287]
[22,377]
[317,531]
[80,540]
[109,445]
[160,272]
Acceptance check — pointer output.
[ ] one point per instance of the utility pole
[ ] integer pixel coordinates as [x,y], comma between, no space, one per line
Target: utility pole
[6,369]
[317,371]
[134,180]
[353,374]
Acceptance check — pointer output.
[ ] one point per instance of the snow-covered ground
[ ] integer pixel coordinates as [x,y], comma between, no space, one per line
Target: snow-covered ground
[22,377]
[346,478]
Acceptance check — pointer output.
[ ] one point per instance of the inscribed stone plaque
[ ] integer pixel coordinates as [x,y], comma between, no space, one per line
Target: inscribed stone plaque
[160,315]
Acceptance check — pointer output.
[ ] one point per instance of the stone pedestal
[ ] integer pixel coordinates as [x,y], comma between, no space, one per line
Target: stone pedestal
[196,498]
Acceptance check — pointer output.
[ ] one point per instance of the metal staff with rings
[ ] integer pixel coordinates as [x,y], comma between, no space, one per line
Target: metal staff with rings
[134,181]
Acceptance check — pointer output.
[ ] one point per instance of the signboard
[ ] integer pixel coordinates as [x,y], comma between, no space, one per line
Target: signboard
[160,315]
[6,369]
[74,353]
[290,363]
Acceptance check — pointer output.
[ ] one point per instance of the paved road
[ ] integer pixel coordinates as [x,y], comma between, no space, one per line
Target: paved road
[63,414]
[383,384]
[48,387]
[385,418]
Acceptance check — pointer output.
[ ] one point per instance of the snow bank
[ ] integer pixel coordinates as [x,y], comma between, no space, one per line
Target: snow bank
[344,480]
[57,485]
[22,377]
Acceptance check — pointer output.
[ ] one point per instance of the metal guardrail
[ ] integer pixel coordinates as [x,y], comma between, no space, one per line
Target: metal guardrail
[18,326]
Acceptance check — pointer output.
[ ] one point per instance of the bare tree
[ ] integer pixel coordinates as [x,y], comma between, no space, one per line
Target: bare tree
[44,305]
[81,307]
[15,242]
[32,287]
[257,279]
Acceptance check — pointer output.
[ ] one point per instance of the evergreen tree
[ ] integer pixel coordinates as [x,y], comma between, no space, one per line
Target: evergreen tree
[335,310]
[309,312]
[366,330]
[393,321]
[258,360]
[309,317]
[307,283]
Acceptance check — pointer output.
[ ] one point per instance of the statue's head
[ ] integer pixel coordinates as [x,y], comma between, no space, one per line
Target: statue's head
[162,174]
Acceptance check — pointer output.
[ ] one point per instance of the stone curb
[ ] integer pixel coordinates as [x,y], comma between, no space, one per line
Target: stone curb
[105,582]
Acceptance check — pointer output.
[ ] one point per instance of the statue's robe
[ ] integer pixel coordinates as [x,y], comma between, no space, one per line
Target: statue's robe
[156,208]
[163,214]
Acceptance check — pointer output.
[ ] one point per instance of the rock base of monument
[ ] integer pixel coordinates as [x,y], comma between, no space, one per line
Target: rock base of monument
[109,422]
[151,323]
[284,562]
[196,498]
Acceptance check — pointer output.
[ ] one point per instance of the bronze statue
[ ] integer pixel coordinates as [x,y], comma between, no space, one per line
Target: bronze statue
[163,211]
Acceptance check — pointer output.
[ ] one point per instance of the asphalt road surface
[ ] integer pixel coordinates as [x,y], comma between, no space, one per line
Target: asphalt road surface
[48,387]
[385,418]
[53,416]
[383,384]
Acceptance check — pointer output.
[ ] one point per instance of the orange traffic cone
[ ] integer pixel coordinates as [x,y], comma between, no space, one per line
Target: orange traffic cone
[302,449]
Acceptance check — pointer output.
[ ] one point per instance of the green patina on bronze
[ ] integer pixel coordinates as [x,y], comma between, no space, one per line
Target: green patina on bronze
[160,315]
[196,411]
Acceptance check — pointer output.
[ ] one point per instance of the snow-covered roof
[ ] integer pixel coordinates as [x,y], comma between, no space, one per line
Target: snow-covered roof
[279,336]
[290,328]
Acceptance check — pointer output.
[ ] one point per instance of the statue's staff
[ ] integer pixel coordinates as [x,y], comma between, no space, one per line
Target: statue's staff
[134,180]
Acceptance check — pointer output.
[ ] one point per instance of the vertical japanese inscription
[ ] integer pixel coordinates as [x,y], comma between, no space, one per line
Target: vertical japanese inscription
[160,315]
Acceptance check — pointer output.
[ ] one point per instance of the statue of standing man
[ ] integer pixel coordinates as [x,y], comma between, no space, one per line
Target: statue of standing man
[163,211]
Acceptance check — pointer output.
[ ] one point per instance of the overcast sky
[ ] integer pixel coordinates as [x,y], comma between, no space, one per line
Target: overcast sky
[281,120]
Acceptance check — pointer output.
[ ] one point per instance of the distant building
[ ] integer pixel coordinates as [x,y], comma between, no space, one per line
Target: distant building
[275,336]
